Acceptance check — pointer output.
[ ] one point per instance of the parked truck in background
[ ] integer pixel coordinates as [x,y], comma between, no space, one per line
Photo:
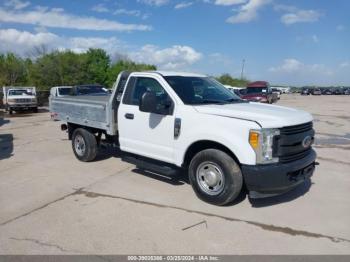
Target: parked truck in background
[20,99]
[59,91]
[259,91]
[166,121]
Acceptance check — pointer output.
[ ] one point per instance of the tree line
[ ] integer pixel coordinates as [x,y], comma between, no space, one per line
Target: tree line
[59,68]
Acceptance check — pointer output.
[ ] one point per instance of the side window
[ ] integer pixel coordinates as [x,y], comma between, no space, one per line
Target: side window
[137,86]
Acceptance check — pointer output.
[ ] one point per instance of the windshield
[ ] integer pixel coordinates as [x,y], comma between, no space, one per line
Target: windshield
[87,90]
[64,91]
[20,92]
[200,90]
[255,90]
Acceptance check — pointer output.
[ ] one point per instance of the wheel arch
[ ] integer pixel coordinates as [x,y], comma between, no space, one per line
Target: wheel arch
[72,127]
[200,145]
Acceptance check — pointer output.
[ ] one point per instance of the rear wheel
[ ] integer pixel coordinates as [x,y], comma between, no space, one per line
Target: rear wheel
[215,177]
[84,145]
[35,110]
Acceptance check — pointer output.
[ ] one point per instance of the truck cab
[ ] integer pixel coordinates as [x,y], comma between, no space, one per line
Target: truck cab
[59,91]
[171,120]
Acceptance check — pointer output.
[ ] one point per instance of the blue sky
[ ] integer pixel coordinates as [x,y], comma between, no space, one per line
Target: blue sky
[283,42]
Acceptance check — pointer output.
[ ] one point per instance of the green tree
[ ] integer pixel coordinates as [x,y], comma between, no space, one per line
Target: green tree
[126,65]
[97,64]
[47,69]
[58,68]
[227,79]
[12,70]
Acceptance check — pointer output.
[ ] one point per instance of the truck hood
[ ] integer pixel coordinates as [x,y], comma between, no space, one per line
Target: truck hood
[267,116]
[20,97]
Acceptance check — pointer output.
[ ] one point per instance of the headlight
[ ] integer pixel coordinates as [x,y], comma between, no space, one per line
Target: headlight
[262,143]
[33,99]
[11,100]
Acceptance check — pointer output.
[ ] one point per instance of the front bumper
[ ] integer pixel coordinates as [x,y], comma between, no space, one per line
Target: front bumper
[279,178]
[22,106]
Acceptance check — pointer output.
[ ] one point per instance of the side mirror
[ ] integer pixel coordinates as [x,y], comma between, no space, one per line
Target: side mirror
[148,102]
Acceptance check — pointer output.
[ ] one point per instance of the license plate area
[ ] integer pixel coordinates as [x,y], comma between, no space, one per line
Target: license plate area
[301,173]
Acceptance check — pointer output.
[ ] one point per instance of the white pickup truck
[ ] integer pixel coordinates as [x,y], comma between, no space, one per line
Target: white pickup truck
[20,99]
[163,121]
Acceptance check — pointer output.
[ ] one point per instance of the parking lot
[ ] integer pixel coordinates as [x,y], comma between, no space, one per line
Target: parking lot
[50,203]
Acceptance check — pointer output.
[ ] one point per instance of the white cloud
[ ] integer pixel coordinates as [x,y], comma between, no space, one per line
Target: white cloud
[59,19]
[230,2]
[285,8]
[17,4]
[340,28]
[100,8]
[154,2]
[308,39]
[41,8]
[344,64]
[174,57]
[81,44]
[300,16]
[315,38]
[294,66]
[127,12]
[290,65]
[218,58]
[57,9]
[248,11]
[183,5]
[23,42]
[295,72]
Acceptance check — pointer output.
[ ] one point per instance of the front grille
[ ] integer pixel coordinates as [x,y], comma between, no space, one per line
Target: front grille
[289,144]
[294,157]
[23,100]
[291,130]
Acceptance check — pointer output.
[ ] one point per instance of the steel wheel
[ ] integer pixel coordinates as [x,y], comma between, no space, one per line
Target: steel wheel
[210,178]
[79,144]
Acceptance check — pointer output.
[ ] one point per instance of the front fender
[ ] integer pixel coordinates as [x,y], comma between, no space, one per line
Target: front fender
[230,132]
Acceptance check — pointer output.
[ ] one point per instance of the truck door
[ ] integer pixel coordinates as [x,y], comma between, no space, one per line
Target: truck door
[142,133]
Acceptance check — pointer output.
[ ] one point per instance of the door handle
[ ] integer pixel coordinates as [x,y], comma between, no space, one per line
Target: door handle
[129,116]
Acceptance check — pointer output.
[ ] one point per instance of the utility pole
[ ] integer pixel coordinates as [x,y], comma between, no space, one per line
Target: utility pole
[243,63]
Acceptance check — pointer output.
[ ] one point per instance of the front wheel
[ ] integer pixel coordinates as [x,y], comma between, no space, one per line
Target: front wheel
[215,177]
[84,145]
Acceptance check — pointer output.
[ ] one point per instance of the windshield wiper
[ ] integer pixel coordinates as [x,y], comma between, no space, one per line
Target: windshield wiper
[212,101]
[236,100]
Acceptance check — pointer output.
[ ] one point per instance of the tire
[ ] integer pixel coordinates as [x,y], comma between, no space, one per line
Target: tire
[224,180]
[10,111]
[84,145]
[35,110]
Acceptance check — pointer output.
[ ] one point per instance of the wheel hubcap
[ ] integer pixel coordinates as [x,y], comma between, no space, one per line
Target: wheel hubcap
[210,178]
[79,145]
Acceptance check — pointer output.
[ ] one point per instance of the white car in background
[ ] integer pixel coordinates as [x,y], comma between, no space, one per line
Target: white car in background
[234,89]
[59,91]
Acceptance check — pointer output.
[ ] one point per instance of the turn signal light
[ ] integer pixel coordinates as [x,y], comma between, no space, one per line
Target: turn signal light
[254,139]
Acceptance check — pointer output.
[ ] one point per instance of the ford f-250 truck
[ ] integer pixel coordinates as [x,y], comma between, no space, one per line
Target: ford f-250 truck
[163,121]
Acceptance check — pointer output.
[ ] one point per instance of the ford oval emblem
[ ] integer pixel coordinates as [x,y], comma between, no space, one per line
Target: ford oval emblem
[307,141]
